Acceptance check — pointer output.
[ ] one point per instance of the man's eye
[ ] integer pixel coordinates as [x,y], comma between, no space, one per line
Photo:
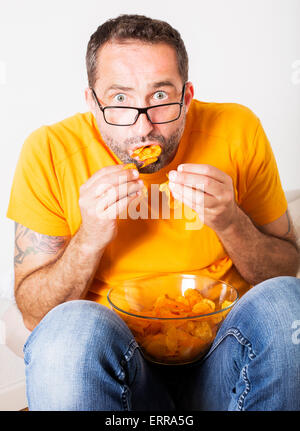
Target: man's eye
[160,95]
[120,97]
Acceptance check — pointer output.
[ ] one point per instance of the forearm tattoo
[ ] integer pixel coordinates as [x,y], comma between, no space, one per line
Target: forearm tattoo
[289,224]
[291,235]
[34,243]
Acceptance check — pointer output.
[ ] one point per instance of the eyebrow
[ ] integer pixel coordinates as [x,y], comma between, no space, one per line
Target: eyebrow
[163,84]
[155,85]
[118,87]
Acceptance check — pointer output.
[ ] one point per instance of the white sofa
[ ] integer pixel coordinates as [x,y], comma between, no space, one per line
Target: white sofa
[13,334]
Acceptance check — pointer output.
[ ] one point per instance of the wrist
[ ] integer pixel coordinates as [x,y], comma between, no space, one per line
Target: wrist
[88,244]
[233,226]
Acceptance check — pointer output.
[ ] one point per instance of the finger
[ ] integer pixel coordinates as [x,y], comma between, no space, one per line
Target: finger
[120,184]
[114,180]
[204,169]
[118,207]
[196,197]
[196,206]
[200,182]
[184,194]
[114,194]
[101,172]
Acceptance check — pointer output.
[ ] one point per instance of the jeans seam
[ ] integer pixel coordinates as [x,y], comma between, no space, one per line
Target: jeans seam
[126,358]
[242,397]
[251,355]
[125,393]
[239,337]
[121,375]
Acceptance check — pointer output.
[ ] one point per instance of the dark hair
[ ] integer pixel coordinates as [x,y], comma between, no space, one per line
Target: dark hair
[137,27]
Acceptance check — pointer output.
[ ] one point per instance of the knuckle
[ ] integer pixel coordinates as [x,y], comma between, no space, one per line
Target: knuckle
[206,169]
[126,176]
[134,174]
[117,191]
[104,170]
[81,202]
[90,212]
[228,196]
[104,188]
[206,182]
[131,189]
[98,191]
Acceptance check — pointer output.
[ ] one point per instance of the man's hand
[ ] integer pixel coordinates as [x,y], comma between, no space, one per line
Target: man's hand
[206,190]
[103,198]
[257,255]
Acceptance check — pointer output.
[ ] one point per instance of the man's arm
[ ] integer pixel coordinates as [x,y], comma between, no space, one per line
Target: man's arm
[258,253]
[262,252]
[50,270]
[34,250]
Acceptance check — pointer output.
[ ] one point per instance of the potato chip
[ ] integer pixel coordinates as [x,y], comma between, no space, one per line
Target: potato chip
[204,306]
[155,345]
[164,188]
[130,166]
[226,304]
[203,330]
[193,296]
[171,339]
[148,154]
[177,340]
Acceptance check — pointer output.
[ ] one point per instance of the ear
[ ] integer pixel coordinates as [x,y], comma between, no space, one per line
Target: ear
[90,100]
[189,94]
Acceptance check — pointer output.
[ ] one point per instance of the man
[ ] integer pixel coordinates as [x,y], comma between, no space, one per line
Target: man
[73,241]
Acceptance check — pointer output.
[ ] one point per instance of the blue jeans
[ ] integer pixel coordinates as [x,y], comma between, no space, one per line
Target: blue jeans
[82,356]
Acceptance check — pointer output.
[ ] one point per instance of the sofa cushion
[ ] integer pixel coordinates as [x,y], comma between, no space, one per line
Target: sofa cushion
[12,381]
[294,210]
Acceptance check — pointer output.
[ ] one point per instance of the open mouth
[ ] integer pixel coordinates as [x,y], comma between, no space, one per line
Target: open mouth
[147,154]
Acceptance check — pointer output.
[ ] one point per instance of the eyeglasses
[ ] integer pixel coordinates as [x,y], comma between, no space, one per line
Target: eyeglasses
[127,115]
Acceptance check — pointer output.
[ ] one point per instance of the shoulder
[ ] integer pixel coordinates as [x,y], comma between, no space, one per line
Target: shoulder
[233,124]
[61,139]
[227,119]
[75,125]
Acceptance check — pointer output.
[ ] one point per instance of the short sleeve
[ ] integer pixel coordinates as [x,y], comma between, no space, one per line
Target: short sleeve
[263,199]
[35,198]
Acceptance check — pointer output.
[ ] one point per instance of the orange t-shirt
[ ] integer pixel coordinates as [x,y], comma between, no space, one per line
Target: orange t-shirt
[56,160]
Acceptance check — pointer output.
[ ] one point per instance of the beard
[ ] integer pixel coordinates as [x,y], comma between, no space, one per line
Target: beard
[169,148]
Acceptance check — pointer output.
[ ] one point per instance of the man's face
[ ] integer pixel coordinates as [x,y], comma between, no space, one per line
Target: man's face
[139,74]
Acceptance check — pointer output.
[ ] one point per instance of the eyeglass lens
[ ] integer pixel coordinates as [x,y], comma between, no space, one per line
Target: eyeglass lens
[127,116]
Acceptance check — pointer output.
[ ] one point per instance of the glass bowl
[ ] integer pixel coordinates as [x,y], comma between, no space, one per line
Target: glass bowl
[174,318]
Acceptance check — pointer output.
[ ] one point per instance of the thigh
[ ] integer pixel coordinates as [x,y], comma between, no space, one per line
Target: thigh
[254,362]
[82,356]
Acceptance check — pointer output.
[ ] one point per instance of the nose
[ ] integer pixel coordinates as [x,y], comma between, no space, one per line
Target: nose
[143,126]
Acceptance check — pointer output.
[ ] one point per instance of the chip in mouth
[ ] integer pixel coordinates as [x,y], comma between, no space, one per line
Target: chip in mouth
[148,154]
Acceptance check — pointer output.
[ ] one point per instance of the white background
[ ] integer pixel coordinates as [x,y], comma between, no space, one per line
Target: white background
[244,51]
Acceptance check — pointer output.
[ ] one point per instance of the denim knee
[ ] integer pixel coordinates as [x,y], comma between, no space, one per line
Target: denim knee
[77,347]
[75,329]
[260,350]
[270,307]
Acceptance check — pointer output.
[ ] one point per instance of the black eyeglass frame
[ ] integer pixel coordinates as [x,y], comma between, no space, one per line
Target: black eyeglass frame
[141,110]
